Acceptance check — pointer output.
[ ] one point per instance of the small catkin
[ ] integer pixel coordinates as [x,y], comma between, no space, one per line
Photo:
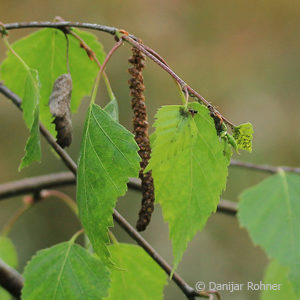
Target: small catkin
[59,103]
[140,128]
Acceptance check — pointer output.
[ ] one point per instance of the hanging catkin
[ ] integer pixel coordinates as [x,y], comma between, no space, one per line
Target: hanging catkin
[140,128]
[59,103]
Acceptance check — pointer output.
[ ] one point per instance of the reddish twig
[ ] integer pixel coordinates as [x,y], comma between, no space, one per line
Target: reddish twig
[131,39]
[60,195]
[117,45]
[90,53]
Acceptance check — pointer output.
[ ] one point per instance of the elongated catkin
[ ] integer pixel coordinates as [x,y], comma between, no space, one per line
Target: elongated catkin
[59,103]
[140,128]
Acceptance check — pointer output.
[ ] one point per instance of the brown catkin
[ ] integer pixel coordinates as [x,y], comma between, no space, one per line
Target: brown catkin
[59,103]
[140,129]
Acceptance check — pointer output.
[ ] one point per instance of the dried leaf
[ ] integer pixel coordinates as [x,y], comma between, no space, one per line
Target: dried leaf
[59,103]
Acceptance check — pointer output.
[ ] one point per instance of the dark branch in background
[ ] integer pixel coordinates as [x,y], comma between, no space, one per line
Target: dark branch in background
[227,207]
[11,280]
[131,39]
[264,168]
[185,288]
[35,184]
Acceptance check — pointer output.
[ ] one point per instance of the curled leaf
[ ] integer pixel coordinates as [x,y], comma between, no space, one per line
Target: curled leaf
[59,103]
[243,135]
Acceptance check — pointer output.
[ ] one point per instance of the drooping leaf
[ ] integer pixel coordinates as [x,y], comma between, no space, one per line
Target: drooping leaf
[108,157]
[243,134]
[33,146]
[189,170]
[65,271]
[112,109]
[137,276]
[278,274]
[45,51]
[270,212]
[30,106]
[9,255]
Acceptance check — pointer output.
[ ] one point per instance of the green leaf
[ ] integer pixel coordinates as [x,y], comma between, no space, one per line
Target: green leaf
[189,170]
[30,93]
[30,106]
[278,274]
[112,109]
[8,252]
[65,271]
[108,157]
[9,255]
[270,212]
[243,134]
[45,51]
[139,277]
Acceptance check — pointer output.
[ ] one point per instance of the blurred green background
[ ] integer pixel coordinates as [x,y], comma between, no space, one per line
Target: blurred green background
[243,56]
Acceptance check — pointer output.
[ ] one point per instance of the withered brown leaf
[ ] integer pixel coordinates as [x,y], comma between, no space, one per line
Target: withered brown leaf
[59,104]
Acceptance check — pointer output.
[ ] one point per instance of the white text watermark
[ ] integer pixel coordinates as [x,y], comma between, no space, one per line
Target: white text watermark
[235,287]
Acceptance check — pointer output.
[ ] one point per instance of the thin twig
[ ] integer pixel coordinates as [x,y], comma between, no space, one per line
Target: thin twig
[93,55]
[11,280]
[60,195]
[185,288]
[106,60]
[165,67]
[60,25]
[131,39]
[264,168]
[11,222]
[227,207]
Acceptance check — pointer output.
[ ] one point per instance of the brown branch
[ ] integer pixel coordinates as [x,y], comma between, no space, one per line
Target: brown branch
[61,25]
[116,46]
[36,184]
[264,168]
[185,288]
[161,62]
[91,54]
[11,280]
[131,39]
[227,207]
